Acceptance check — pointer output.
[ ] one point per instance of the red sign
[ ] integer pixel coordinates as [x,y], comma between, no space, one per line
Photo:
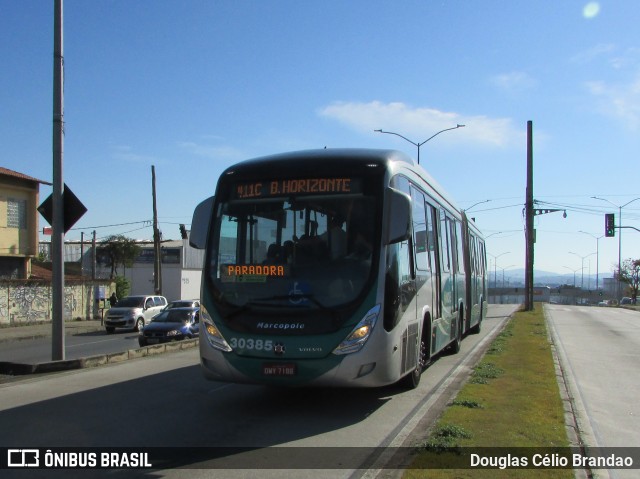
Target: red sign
[47,230]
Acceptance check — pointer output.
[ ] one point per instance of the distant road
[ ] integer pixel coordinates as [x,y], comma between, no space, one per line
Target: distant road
[600,350]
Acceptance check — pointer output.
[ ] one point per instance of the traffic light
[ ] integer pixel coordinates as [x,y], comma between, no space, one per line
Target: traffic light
[609,225]
[183,232]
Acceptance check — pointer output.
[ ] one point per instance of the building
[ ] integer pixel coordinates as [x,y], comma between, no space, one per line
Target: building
[181,270]
[181,266]
[19,199]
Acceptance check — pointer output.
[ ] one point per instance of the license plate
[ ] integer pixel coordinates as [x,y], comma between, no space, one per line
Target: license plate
[153,340]
[279,369]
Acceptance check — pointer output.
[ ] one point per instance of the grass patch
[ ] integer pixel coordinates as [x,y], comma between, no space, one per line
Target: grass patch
[511,400]
[471,404]
[485,371]
[446,436]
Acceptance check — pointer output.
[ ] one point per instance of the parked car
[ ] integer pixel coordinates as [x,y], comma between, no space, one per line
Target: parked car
[604,302]
[626,300]
[133,312]
[173,324]
[183,303]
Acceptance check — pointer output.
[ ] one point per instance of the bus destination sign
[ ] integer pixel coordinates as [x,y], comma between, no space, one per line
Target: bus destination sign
[296,186]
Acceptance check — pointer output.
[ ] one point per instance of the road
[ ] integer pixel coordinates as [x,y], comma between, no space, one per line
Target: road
[164,401]
[78,346]
[599,349]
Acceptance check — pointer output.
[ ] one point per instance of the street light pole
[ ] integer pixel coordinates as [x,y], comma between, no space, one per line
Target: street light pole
[597,256]
[582,258]
[510,266]
[495,267]
[422,143]
[466,210]
[619,236]
[574,274]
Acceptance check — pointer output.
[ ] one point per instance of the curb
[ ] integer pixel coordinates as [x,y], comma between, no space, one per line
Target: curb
[21,369]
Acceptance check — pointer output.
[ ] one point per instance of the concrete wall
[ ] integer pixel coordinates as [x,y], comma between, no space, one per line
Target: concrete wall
[23,302]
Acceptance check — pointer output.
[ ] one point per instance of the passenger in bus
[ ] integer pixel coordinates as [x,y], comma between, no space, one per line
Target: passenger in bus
[335,238]
[288,251]
[362,247]
[274,254]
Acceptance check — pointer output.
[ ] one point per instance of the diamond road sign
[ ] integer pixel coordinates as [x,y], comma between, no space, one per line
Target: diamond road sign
[73,208]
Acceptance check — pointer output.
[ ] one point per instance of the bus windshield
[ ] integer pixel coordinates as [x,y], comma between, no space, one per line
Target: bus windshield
[302,251]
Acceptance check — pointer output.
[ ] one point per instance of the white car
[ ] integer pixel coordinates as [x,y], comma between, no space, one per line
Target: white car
[133,312]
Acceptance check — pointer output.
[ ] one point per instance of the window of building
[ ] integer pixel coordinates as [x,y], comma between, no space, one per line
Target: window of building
[16,213]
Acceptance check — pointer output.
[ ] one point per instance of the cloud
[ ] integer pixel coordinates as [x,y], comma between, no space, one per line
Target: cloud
[621,101]
[212,152]
[418,122]
[125,153]
[590,54]
[513,82]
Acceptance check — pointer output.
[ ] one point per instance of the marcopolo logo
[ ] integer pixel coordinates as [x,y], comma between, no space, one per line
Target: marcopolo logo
[279,326]
[23,457]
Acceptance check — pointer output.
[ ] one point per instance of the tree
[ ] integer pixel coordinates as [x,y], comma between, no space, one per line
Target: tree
[630,273]
[123,286]
[121,251]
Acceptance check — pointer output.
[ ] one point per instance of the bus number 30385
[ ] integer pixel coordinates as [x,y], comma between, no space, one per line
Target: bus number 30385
[257,344]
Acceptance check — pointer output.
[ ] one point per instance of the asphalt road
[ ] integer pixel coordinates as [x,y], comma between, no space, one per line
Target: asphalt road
[76,346]
[164,401]
[599,349]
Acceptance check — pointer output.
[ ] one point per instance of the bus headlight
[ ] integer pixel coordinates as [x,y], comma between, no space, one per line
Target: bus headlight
[360,333]
[215,337]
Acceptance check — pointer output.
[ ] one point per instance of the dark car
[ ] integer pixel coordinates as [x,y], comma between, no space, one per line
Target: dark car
[173,324]
[183,303]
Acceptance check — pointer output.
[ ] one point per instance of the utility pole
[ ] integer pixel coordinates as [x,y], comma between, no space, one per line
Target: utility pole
[530,232]
[57,235]
[82,253]
[93,255]
[157,264]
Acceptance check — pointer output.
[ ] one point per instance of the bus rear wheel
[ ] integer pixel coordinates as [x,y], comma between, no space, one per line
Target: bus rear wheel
[412,380]
[476,329]
[454,347]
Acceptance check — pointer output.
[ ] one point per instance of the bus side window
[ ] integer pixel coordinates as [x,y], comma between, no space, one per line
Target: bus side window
[460,250]
[431,238]
[419,231]
[445,244]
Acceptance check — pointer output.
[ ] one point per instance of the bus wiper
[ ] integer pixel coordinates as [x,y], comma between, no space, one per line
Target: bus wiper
[237,311]
[264,302]
[294,297]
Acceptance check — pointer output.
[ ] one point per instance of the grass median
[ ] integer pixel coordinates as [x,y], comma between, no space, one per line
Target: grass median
[511,400]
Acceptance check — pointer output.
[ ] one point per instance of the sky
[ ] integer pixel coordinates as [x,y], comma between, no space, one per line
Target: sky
[195,86]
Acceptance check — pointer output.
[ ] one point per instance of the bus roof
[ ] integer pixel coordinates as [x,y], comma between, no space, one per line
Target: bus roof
[344,155]
[393,160]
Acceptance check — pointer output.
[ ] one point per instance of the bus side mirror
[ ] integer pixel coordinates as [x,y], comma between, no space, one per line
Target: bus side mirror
[200,224]
[399,216]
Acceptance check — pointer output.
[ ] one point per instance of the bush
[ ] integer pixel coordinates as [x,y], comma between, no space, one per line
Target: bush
[123,286]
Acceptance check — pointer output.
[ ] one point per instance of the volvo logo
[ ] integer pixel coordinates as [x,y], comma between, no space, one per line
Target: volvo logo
[279,349]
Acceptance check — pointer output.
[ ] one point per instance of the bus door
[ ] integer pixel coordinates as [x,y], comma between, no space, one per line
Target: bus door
[434,259]
[447,274]
[460,287]
[422,224]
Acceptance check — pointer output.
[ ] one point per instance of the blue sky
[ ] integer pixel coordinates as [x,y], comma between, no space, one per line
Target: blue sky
[192,87]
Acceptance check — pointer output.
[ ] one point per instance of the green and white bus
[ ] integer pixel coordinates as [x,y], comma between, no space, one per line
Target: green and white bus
[334,267]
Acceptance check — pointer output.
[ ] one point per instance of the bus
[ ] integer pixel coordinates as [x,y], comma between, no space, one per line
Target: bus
[334,267]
